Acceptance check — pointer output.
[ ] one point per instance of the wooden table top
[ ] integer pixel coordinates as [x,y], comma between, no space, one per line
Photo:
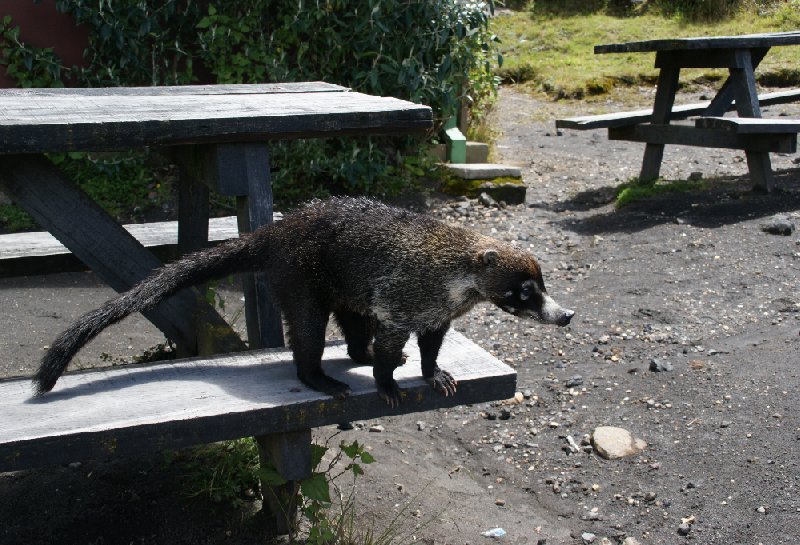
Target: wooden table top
[704,42]
[107,119]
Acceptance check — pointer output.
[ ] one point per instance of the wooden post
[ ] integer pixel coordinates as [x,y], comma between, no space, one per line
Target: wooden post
[290,454]
[665,98]
[242,170]
[743,82]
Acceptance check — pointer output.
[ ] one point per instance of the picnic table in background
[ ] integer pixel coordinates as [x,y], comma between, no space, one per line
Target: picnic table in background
[740,55]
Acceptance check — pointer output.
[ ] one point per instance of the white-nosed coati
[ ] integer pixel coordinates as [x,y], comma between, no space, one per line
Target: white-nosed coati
[383,272]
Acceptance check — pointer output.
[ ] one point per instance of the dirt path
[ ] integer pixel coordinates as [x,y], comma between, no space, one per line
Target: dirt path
[689,281]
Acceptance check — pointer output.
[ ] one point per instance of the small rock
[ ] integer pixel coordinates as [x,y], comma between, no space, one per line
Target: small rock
[519,397]
[420,425]
[762,509]
[612,442]
[631,541]
[377,428]
[505,414]
[696,176]
[500,502]
[725,424]
[660,366]
[572,382]
[588,537]
[494,532]
[486,200]
[684,529]
[778,225]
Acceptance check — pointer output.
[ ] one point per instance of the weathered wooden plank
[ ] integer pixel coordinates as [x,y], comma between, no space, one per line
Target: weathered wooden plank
[32,124]
[136,409]
[709,138]
[150,235]
[239,89]
[634,117]
[702,43]
[750,125]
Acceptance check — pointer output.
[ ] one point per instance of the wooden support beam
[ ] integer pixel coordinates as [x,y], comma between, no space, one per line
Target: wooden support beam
[290,455]
[665,98]
[109,250]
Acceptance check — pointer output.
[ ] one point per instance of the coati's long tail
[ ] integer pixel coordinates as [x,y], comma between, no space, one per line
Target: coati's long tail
[232,256]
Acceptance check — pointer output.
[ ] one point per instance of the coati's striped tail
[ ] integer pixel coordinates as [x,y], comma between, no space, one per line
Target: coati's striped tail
[230,257]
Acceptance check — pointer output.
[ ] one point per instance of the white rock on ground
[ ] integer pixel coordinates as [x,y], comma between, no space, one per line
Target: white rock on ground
[612,443]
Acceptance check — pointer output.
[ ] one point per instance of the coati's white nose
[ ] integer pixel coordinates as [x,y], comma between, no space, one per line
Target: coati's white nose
[553,313]
[568,314]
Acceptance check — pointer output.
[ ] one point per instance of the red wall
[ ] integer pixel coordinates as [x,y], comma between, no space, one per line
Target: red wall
[41,25]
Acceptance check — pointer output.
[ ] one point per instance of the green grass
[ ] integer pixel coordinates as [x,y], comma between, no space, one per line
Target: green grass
[554,53]
[633,191]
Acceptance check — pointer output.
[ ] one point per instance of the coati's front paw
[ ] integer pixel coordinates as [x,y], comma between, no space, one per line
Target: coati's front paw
[390,392]
[443,382]
[325,384]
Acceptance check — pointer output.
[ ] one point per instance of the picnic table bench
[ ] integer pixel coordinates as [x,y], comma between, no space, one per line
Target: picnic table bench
[741,55]
[39,252]
[132,410]
[219,137]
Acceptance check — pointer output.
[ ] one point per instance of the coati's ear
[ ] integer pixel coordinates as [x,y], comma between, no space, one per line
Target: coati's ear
[489,257]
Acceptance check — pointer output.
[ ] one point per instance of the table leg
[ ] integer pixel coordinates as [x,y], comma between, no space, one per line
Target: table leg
[241,170]
[665,98]
[110,251]
[743,83]
[264,327]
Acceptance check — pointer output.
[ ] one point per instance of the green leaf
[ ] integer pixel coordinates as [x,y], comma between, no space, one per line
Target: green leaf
[270,476]
[351,450]
[316,488]
[317,452]
[367,458]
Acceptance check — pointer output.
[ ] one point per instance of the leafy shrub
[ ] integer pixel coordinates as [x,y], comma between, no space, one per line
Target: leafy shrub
[435,52]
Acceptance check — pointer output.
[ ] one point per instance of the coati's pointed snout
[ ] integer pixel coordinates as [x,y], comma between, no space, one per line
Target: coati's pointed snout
[566,317]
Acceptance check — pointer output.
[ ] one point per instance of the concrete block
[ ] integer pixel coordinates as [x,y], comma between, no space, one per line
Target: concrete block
[477,152]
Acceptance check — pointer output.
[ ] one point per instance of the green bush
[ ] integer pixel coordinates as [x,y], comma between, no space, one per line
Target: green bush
[435,52]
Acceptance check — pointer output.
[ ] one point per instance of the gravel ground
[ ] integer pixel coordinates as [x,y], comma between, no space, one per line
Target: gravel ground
[686,335]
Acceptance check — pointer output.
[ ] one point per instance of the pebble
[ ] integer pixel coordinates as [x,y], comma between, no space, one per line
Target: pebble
[377,428]
[420,425]
[500,502]
[778,224]
[684,529]
[588,537]
[660,366]
[574,381]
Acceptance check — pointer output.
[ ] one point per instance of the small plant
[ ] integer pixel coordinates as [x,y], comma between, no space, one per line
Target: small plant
[633,190]
[229,473]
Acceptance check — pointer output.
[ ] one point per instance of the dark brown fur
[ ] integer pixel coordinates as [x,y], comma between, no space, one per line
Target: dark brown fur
[383,273]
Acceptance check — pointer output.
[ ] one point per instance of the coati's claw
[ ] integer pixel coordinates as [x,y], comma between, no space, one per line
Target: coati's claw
[325,384]
[390,393]
[443,382]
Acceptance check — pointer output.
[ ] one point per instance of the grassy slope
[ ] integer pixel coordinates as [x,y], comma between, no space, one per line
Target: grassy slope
[555,54]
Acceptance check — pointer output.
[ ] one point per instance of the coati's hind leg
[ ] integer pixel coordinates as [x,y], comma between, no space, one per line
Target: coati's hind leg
[388,348]
[306,332]
[358,331]
[429,344]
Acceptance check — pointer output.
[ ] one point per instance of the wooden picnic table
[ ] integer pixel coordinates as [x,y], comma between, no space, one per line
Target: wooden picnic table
[741,55]
[219,136]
